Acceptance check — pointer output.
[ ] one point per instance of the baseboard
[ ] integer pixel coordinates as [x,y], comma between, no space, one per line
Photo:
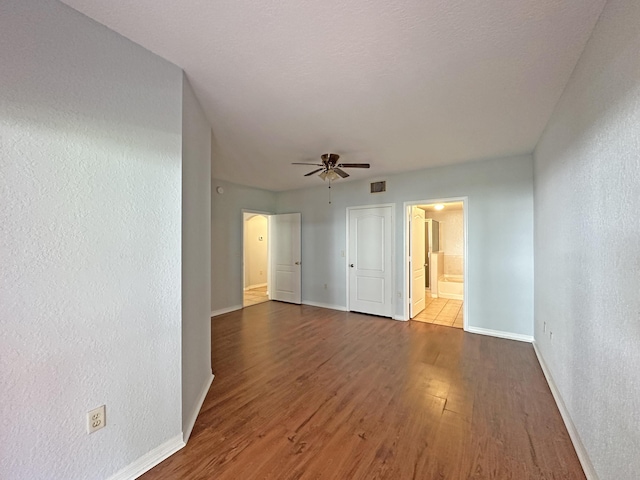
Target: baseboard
[194,415]
[399,317]
[500,334]
[215,313]
[342,308]
[257,285]
[583,456]
[150,460]
[451,296]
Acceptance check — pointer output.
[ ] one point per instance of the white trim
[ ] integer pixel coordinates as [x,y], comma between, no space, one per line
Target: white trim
[400,317]
[150,459]
[341,308]
[194,415]
[451,296]
[221,311]
[500,334]
[257,285]
[581,451]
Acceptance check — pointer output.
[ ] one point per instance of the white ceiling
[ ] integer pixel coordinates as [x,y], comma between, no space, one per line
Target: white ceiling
[401,84]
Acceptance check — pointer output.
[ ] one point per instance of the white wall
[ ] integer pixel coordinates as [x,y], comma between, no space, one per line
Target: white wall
[255,250]
[226,239]
[500,209]
[451,230]
[451,239]
[196,256]
[587,237]
[90,226]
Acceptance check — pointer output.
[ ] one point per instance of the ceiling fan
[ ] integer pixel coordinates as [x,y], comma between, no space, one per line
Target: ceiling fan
[330,168]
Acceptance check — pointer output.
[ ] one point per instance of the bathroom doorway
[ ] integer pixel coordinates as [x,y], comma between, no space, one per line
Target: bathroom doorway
[255,258]
[435,262]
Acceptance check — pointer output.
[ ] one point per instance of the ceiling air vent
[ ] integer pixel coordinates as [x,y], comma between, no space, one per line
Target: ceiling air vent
[377,187]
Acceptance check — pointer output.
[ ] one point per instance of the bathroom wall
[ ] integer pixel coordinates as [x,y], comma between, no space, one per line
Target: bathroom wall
[451,239]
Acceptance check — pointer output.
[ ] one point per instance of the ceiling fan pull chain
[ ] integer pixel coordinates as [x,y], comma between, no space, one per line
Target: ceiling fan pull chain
[329,191]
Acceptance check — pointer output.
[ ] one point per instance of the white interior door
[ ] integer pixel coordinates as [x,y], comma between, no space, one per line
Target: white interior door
[285,262]
[417,260]
[370,260]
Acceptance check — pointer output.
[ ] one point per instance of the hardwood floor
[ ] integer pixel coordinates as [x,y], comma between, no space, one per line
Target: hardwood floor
[308,393]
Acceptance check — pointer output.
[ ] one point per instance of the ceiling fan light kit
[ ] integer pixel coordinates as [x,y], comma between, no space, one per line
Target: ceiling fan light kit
[330,168]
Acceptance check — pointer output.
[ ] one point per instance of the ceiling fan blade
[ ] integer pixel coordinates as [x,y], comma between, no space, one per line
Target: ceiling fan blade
[342,173]
[315,164]
[354,165]
[311,173]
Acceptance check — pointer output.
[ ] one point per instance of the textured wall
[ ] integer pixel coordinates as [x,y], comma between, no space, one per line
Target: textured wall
[500,216]
[90,217]
[226,239]
[196,255]
[587,274]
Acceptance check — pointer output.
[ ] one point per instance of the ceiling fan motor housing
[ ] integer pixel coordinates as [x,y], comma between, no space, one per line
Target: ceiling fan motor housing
[330,159]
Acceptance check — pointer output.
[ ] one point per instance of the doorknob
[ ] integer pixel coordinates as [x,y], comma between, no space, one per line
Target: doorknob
[298,263]
[351,265]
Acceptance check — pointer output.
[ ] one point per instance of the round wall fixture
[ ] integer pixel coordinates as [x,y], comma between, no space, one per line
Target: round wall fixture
[220,190]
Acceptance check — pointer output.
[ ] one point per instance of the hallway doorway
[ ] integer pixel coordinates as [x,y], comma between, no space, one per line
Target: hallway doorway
[255,258]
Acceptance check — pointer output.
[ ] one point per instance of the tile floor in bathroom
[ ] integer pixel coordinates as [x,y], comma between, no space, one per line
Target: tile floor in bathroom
[441,311]
[255,296]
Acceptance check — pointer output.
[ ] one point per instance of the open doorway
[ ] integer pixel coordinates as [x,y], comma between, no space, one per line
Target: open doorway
[256,258]
[436,259]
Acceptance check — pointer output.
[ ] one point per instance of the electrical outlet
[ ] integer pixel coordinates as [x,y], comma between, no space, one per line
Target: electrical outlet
[544,327]
[96,419]
[325,286]
[342,253]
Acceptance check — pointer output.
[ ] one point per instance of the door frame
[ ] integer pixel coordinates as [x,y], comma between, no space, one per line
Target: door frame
[392,250]
[267,214]
[465,222]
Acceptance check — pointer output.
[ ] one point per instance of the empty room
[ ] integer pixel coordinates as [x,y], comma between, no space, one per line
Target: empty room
[304,240]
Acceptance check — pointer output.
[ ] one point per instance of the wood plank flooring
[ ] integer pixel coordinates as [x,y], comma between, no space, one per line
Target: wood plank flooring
[308,393]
